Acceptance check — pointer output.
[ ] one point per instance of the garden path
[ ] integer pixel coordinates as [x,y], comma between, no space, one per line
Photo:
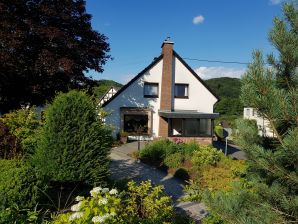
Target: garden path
[123,166]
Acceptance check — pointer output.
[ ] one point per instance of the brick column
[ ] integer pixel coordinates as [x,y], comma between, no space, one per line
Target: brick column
[166,85]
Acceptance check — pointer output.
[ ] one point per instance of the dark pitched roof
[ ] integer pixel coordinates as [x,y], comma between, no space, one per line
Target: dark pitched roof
[155,61]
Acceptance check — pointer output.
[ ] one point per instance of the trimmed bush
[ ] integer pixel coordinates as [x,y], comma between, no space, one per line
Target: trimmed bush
[74,143]
[20,188]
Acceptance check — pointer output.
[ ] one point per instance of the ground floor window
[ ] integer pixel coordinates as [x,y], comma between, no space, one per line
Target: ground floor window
[190,127]
[135,123]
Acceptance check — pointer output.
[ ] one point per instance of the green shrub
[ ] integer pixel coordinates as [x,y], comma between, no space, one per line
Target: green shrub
[74,144]
[9,145]
[190,148]
[139,204]
[174,160]
[24,124]
[158,150]
[206,155]
[219,131]
[20,188]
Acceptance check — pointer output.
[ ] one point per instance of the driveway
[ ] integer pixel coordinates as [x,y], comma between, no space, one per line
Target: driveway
[125,167]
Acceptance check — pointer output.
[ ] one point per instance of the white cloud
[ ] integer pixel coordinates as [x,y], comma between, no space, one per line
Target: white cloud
[216,72]
[198,19]
[275,2]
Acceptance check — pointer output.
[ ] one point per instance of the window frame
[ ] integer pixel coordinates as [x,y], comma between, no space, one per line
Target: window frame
[181,84]
[184,128]
[151,96]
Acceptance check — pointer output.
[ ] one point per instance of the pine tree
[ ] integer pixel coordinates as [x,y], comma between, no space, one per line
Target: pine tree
[272,195]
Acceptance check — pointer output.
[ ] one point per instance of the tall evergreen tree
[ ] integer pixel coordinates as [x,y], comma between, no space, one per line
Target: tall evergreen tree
[45,47]
[273,174]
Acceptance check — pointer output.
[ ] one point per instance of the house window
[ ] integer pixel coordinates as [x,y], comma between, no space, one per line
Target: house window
[136,123]
[150,90]
[190,127]
[181,90]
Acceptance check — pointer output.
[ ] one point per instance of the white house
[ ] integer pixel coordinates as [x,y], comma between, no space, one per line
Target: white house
[262,123]
[166,99]
[108,94]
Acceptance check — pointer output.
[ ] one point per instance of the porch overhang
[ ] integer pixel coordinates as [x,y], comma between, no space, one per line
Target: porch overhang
[187,114]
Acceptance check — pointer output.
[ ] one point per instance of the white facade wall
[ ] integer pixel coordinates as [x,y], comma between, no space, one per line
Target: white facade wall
[133,96]
[262,123]
[200,98]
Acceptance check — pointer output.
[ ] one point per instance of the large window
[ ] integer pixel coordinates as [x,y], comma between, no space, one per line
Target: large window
[136,123]
[181,90]
[150,89]
[190,127]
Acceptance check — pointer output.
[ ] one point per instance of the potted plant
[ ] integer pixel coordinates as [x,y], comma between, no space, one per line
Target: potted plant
[123,137]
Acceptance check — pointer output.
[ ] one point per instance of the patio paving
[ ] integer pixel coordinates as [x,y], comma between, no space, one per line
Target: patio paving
[125,167]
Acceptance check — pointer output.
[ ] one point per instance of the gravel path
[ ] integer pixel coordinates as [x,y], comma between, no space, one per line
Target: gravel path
[125,167]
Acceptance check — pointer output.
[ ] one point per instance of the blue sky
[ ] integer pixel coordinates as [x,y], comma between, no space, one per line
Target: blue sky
[203,29]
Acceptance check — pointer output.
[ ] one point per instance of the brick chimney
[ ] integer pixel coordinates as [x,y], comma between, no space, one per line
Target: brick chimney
[166,85]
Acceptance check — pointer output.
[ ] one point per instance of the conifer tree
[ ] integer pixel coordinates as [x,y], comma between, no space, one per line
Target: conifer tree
[272,195]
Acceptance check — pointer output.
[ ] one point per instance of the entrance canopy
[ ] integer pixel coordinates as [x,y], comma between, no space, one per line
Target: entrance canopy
[187,114]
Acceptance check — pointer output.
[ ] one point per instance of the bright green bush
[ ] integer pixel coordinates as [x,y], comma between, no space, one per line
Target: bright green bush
[74,144]
[139,204]
[20,188]
[24,124]
[174,160]
[157,150]
[206,155]
[190,148]
[219,131]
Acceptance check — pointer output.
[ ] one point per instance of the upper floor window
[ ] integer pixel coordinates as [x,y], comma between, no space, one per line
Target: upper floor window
[181,90]
[150,89]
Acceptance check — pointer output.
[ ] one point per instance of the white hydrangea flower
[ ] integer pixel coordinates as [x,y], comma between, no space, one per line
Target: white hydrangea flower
[113,191]
[76,215]
[98,219]
[76,207]
[95,191]
[103,201]
[105,190]
[79,198]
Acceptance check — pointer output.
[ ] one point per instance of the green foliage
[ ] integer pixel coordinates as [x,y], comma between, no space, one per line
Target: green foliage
[139,204]
[205,156]
[213,219]
[9,146]
[240,206]
[228,89]
[52,53]
[219,131]
[103,86]
[158,150]
[273,163]
[20,188]
[74,144]
[25,124]
[174,160]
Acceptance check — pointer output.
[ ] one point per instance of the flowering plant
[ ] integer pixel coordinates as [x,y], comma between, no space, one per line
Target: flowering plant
[101,207]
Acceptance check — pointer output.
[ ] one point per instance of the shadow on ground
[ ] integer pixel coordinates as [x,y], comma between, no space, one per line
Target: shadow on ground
[233,150]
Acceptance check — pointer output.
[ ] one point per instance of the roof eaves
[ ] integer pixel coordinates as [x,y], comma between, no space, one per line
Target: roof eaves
[154,62]
[195,74]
